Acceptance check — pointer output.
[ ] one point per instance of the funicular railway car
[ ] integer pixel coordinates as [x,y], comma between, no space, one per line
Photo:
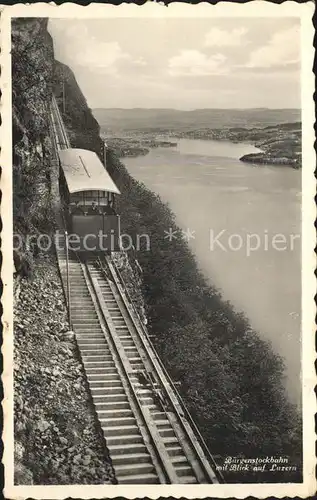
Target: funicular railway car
[88,196]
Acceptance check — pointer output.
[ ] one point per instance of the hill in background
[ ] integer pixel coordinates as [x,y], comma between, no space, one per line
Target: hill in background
[171,119]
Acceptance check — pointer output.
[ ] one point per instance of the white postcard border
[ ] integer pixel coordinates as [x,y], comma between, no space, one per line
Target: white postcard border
[222,9]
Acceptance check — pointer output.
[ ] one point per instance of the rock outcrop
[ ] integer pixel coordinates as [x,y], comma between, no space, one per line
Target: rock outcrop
[32,73]
[57,440]
[82,128]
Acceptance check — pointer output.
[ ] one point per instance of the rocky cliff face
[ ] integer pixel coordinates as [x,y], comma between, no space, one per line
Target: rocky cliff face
[32,73]
[57,440]
[83,129]
[35,76]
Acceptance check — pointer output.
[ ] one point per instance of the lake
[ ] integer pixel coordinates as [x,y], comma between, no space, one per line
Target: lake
[243,224]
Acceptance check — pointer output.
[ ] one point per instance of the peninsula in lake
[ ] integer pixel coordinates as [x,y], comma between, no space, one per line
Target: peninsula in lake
[280,144]
[138,144]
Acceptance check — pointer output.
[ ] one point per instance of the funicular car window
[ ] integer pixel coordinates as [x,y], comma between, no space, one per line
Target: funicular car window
[90,197]
[103,198]
[77,198]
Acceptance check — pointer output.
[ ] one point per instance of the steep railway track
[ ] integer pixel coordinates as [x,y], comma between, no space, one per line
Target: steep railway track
[59,134]
[148,432]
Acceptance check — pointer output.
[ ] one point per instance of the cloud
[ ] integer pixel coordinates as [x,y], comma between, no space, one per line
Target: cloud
[106,57]
[218,37]
[195,63]
[282,49]
[102,55]
[140,61]
[84,49]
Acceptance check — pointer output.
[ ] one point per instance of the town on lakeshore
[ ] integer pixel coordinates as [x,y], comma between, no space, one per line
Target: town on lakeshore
[279,143]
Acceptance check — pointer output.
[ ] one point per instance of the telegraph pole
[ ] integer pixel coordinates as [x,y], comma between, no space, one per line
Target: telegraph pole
[105,154]
[67,280]
[63,91]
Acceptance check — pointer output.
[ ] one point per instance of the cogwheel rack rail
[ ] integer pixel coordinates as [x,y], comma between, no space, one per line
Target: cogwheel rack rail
[150,435]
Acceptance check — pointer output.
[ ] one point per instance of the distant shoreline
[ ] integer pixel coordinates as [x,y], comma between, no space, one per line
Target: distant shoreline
[137,146]
[277,144]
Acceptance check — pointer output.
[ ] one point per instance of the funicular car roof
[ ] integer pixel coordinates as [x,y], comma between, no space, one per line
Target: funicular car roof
[84,171]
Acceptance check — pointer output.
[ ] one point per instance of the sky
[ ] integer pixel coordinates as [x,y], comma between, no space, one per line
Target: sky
[182,63]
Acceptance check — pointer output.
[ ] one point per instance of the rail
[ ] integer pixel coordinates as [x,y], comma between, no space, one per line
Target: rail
[57,120]
[206,460]
[198,436]
[170,476]
[60,132]
[67,278]
[170,381]
[67,292]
